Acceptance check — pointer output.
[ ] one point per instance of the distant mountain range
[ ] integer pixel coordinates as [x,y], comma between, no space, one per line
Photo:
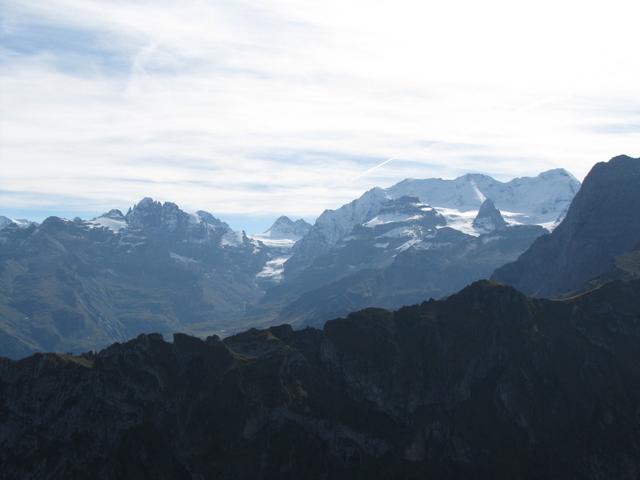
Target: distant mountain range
[415,240]
[541,200]
[73,285]
[70,285]
[487,383]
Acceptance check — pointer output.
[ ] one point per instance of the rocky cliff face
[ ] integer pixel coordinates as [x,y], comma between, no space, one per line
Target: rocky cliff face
[602,223]
[488,384]
[489,218]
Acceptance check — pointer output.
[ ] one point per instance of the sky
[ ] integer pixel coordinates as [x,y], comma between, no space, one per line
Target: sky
[253,109]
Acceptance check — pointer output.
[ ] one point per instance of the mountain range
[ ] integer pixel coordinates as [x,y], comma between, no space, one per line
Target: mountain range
[75,285]
[487,383]
[79,285]
[541,200]
[415,240]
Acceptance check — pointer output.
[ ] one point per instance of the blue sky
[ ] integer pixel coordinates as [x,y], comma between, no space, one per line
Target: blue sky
[255,109]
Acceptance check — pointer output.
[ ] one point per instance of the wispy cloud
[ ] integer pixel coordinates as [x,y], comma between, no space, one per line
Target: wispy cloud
[279,106]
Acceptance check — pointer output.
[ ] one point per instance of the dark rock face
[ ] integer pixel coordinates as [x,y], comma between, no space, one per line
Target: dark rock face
[488,384]
[489,218]
[602,223]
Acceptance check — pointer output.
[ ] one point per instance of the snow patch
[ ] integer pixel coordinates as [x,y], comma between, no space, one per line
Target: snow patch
[400,232]
[273,269]
[477,191]
[459,220]
[387,218]
[182,259]
[285,243]
[408,244]
[108,223]
[231,239]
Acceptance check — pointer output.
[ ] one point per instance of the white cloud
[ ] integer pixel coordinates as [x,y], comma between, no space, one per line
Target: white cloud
[279,106]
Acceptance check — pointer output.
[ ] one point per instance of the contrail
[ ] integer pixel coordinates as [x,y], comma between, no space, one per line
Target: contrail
[374,168]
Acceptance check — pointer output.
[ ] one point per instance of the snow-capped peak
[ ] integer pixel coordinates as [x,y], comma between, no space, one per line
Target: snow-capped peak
[530,200]
[115,214]
[113,220]
[18,222]
[335,224]
[284,227]
[541,200]
[284,232]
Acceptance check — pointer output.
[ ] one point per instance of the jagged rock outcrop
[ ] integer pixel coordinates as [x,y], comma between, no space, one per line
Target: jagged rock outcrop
[488,384]
[489,218]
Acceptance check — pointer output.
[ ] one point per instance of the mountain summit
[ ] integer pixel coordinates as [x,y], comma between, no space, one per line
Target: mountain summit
[602,223]
[489,218]
[285,228]
[79,285]
[150,214]
[541,200]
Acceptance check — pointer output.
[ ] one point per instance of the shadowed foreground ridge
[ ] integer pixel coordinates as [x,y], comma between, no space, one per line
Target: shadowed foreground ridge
[486,384]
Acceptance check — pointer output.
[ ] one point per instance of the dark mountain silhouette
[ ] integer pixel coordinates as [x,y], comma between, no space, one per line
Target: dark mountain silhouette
[488,384]
[602,223]
[489,218]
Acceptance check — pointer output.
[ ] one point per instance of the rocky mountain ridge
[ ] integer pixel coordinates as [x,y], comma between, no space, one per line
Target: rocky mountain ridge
[73,285]
[602,223]
[70,285]
[488,384]
[541,200]
[404,253]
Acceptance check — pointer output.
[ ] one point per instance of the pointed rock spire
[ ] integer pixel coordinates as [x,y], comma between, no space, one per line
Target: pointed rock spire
[489,218]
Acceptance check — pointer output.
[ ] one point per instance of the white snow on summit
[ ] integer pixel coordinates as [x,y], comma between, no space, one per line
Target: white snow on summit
[284,233]
[540,200]
[19,222]
[532,200]
[108,223]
